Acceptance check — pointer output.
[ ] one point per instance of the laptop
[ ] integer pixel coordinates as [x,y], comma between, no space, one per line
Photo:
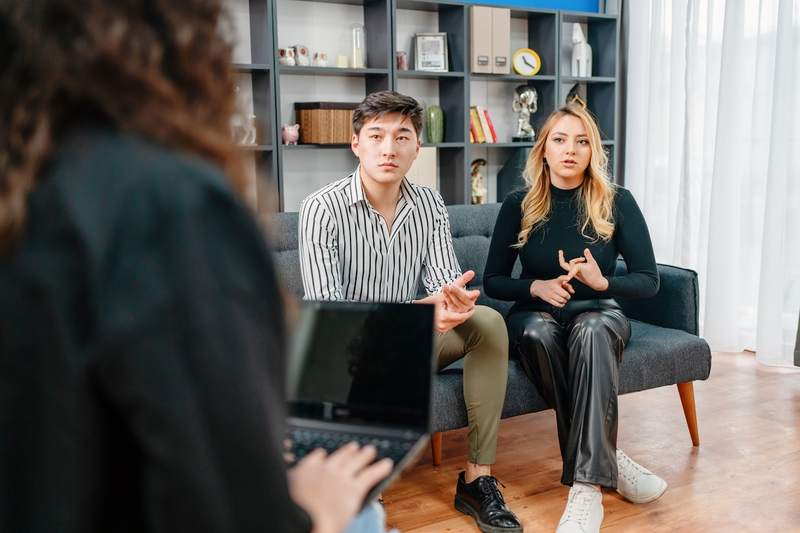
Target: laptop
[362,372]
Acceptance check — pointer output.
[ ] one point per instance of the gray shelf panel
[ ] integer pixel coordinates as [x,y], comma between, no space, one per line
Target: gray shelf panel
[313,146]
[424,5]
[256,147]
[526,144]
[251,67]
[332,71]
[510,77]
[608,142]
[424,74]
[593,79]
[345,2]
[519,12]
[543,38]
[444,145]
[582,16]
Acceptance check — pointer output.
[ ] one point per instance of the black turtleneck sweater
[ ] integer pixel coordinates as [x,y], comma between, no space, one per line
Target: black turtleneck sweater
[539,256]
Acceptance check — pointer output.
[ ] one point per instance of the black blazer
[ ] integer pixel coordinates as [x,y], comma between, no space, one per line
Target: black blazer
[141,352]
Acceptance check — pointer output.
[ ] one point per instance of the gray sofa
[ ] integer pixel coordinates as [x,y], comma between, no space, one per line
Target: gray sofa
[664,348]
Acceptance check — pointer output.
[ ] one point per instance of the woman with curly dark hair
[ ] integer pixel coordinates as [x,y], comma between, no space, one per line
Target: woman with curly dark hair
[141,342]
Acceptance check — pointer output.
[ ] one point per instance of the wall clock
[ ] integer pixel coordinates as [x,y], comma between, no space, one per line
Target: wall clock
[526,62]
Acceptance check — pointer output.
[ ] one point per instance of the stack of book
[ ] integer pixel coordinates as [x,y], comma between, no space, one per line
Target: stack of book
[481,128]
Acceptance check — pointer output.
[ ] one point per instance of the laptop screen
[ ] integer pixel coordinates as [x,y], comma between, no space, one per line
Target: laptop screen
[363,363]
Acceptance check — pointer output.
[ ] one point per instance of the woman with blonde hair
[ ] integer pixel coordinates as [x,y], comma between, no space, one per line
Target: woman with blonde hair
[568,226]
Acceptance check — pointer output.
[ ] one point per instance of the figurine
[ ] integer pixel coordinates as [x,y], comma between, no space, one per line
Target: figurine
[250,130]
[290,133]
[320,59]
[581,53]
[478,187]
[301,55]
[526,102]
[286,57]
[238,132]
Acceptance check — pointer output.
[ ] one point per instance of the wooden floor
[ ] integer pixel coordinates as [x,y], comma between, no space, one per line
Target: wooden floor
[745,476]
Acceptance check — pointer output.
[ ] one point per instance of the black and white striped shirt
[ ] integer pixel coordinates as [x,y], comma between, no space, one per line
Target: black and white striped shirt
[347,253]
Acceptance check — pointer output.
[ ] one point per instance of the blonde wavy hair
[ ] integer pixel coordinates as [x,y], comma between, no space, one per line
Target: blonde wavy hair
[596,195]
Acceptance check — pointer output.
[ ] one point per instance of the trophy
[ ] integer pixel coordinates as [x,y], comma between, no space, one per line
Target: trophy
[526,102]
[574,96]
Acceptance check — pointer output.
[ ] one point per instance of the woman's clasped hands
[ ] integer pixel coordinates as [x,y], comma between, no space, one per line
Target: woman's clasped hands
[559,290]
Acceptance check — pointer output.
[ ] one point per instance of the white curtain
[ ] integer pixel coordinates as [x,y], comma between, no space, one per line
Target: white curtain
[713,158]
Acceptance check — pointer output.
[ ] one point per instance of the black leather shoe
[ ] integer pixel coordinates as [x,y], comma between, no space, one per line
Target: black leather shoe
[482,500]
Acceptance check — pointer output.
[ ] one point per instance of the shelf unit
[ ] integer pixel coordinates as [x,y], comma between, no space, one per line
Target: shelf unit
[601,91]
[256,80]
[389,24]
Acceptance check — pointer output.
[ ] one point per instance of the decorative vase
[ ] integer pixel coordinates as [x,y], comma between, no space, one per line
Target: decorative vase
[434,124]
[359,53]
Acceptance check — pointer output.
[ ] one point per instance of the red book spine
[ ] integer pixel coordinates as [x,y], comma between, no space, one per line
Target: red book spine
[473,132]
[491,125]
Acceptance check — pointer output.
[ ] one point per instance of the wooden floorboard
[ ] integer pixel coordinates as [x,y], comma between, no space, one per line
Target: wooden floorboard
[745,476]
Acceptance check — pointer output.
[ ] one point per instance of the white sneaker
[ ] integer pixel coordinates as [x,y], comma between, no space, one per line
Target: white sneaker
[636,483]
[584,511]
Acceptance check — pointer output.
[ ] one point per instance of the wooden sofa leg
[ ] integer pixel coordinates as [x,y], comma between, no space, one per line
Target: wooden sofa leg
[686,391]
[436,448]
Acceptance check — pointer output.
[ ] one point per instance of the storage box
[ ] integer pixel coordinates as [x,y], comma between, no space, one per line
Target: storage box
[324,122]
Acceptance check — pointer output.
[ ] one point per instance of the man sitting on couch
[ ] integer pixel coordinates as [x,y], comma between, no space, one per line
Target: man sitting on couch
[369,236]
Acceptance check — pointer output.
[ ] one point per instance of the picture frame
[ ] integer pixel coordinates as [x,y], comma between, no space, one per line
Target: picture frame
[430,52]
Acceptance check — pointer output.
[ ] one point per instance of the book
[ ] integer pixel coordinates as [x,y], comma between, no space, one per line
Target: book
[475,124]
[484,125]
[491,125]
[473,132]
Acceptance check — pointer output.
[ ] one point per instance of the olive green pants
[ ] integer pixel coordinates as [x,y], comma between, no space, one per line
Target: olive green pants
[483,343]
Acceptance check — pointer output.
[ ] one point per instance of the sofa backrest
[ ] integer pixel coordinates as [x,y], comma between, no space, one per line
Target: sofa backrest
[471,227]
[675,306]
[282,232]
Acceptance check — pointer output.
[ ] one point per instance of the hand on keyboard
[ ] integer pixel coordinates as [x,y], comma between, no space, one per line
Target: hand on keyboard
[331,488]
[303,442]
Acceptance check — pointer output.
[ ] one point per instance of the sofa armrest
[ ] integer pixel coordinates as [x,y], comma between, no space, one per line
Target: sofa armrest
[676,305]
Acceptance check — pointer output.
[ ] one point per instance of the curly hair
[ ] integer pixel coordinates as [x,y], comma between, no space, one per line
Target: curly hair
[596,195]
[160,69]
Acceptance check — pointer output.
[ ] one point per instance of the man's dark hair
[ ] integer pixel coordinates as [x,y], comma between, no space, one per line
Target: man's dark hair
[376,105]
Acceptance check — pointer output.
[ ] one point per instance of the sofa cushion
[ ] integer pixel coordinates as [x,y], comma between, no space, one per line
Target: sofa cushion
[657,356]
[654,357]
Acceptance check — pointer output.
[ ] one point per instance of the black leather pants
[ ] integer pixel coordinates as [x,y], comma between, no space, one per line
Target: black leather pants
[572,355]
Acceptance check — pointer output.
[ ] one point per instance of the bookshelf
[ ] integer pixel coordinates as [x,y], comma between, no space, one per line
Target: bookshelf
[324,25]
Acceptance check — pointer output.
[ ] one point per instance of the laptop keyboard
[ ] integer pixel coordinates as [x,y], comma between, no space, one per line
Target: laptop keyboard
[304,441]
